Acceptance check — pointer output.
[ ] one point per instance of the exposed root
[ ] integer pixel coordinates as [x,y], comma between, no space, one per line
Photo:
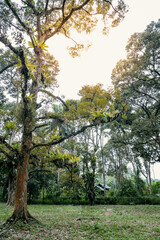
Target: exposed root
[24,218]
[15,226]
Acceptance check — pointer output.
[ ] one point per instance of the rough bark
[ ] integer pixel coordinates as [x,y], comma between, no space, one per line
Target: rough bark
[20,210]
[11,189]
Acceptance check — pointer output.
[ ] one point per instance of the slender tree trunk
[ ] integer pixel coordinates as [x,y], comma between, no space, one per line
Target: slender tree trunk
[43,187]
[103,173]
[150,179]
[103,160]
[58,177]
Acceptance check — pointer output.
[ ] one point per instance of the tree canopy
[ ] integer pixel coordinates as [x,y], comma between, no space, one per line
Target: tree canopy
[28,73]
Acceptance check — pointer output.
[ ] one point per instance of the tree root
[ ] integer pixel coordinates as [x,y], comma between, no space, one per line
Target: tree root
[24,218]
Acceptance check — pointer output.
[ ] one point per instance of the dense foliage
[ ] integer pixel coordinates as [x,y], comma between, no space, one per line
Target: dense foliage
[28,75]
[92,150]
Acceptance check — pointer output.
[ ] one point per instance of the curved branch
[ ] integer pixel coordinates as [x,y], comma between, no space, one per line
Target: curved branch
[146,110]
[146,94]
[63,7]
[61,100]
[111,6]
[39,126]
[54,97]
[9,65]
[65,33]
[73,134]
[62,139]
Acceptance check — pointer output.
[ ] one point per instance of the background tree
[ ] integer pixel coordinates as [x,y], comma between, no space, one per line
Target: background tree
[138,79]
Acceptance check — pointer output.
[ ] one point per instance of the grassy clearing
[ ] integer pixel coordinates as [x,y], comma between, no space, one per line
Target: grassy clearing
[85,222]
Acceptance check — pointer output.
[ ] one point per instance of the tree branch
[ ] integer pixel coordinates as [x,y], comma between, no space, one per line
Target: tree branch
[156,72]
[16,15]
[6,154]
[91,14]
[31,5]
[64,20]
[146,110]
[6,42]
[111,5]
[51,117]
[65,33]
[81,6]
[146,94]
[39,126]
[24,71]
[47,1]
[63,8]
[57,141]
[9,65]
[157,110]
[48,12]
[16,27]
[3,141]
[61,100]
[54,97]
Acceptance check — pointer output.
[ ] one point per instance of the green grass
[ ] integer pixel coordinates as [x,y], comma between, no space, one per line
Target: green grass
[140,222]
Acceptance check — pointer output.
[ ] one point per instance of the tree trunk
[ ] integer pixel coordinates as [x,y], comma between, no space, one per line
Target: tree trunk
[5,189]
[20,211]
[103,173]
[103,160]
[58,177]
[150,179]
[11,189]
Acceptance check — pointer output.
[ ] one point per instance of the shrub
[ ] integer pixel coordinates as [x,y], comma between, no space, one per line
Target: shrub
[156,188]
[127,189]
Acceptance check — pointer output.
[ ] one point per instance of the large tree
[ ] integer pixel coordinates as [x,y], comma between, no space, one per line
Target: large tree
[29,24]
[138,78]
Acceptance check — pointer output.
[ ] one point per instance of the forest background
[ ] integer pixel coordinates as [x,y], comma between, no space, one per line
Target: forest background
[36,140]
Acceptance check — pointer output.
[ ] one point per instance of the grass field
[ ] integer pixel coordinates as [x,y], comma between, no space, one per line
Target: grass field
[85,222]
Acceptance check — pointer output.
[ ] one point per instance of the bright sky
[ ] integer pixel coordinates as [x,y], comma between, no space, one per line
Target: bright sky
[96,64]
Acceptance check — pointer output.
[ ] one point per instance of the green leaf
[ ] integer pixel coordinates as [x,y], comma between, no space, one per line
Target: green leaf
[9,125]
